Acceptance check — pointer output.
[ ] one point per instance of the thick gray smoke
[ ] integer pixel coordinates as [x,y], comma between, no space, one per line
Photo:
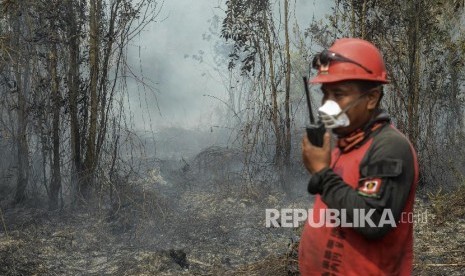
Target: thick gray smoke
[177,60]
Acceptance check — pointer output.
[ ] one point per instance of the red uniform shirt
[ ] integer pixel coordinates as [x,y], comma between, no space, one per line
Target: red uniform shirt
[388,157]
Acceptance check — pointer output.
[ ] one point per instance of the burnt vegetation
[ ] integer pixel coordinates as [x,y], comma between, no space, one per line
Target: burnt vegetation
[83,193]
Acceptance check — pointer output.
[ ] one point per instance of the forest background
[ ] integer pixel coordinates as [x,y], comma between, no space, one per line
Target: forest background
[89,124]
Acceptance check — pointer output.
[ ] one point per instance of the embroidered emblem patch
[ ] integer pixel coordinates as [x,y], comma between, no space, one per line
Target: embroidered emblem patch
[370,187]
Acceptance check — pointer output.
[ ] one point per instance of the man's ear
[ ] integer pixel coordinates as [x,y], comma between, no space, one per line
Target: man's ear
[373,97]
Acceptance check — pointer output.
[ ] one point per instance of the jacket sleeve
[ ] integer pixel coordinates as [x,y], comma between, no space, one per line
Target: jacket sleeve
[390,165]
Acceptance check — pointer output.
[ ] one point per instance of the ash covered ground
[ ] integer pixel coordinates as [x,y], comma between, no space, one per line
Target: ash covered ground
[197,216]
[180,217]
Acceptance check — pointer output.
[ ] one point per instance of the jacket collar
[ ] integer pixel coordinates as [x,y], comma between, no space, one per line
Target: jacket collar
[359,136]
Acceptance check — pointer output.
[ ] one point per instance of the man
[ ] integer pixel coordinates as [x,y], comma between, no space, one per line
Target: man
[369,179]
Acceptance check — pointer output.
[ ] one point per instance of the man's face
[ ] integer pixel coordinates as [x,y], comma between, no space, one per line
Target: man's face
[345,93]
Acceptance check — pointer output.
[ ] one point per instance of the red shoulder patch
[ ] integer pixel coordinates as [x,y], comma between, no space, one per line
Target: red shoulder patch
[370,187]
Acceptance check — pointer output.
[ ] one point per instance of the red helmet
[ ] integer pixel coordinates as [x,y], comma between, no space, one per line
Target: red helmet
[350,59]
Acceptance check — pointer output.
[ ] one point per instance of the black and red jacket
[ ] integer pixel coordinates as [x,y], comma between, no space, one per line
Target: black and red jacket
[381,172]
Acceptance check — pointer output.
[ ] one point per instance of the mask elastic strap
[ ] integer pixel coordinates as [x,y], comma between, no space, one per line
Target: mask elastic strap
[352,104]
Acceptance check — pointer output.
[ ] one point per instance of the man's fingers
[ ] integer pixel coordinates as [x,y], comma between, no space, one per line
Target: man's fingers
[327,141]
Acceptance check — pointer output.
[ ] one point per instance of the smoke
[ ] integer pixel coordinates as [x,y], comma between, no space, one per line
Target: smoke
[176,56]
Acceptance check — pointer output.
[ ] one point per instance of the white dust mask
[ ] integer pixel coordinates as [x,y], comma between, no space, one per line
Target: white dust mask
[332,116]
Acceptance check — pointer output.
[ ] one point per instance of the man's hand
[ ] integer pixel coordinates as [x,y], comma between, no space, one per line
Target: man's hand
[316,158]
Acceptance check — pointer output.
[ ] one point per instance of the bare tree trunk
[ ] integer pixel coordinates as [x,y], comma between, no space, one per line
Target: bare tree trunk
[414,68]
[352,19]
[73,86]
[274,93]
[55,184]
[22,83]
[90,162]
[44,149]
[364,19]
[287,152]
[103,91]
[23,149]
